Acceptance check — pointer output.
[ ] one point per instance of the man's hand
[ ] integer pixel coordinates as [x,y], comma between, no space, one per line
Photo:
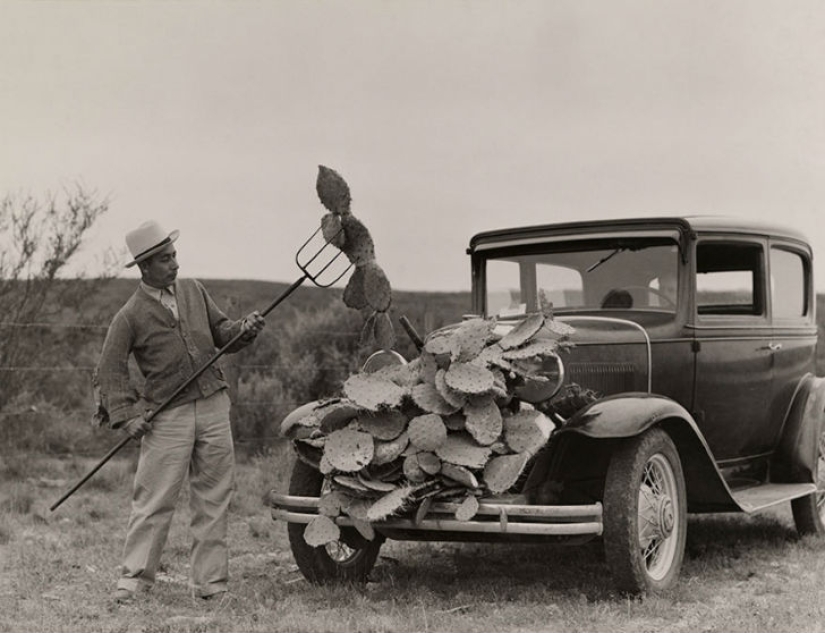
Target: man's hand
[137,427]
[252,325]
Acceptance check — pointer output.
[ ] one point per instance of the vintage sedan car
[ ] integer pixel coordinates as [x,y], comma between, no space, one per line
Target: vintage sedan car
[689,387]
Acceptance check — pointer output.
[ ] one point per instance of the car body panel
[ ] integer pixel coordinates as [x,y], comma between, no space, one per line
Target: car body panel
[703,327]
[732,367]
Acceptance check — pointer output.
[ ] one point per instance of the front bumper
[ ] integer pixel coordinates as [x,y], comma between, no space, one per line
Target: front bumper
[495,516]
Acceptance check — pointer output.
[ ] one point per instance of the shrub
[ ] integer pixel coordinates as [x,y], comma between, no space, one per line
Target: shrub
[32,423]
[309,347]
[19,499]
[307,359]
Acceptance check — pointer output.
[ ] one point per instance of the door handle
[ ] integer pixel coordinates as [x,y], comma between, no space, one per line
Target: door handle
[773,347]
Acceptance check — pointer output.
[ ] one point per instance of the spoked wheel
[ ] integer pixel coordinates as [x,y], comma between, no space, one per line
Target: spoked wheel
[809,512]
[645,514]
[348,560]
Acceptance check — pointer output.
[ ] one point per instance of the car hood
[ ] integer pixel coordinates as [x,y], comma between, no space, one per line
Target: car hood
[608,355]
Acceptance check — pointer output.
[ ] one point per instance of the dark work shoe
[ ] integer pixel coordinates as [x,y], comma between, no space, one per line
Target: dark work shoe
[124,596]
[219,599]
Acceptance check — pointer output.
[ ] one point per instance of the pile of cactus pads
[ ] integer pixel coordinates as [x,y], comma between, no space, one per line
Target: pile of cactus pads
[450,425]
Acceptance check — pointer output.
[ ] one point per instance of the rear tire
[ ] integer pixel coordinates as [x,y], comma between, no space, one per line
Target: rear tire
[645,514]
[809,512]
[349,560]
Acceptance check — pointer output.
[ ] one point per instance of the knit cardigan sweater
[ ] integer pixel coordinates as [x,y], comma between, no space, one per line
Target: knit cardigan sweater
[167,352]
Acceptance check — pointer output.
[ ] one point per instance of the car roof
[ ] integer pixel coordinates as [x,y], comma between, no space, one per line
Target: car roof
[688,225]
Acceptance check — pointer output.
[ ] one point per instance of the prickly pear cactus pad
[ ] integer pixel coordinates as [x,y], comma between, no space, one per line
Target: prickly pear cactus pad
[368,288]
[448,426]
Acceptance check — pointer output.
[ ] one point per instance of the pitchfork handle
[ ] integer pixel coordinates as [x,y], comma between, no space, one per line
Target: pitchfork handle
[177,392]
[88,475]
[292,287]
[408,327]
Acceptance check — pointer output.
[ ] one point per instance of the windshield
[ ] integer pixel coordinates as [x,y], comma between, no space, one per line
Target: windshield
[601,275]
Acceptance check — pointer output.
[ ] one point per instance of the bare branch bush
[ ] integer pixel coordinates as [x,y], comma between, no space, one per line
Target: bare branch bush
[38,240]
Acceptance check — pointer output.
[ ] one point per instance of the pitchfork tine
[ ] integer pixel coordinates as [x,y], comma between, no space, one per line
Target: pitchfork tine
[304,266]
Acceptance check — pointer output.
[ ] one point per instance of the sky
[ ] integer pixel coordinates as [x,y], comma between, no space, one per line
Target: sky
[445,117]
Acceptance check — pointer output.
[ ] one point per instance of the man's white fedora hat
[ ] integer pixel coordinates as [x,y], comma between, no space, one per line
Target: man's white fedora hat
[148,239]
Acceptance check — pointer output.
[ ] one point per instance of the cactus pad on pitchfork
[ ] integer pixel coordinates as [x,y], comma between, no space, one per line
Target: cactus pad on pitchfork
[368,287]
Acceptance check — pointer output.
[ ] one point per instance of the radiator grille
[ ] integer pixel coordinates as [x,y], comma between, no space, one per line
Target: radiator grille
[606,378]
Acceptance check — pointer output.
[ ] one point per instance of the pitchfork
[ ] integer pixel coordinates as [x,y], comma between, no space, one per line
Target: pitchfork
[305,259]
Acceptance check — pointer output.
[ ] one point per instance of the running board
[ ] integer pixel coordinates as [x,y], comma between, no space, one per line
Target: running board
[758,498]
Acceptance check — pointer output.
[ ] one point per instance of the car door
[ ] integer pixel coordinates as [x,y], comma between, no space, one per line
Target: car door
[794,334]
[733,358]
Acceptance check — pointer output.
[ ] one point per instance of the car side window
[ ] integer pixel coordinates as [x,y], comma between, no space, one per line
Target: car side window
[729,279]
[788,283]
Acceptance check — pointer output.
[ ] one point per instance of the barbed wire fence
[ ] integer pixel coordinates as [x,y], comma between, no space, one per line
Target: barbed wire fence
[235,370]
[54,400]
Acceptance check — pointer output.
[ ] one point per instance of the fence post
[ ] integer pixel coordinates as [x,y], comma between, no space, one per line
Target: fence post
[230,363]
[429,319]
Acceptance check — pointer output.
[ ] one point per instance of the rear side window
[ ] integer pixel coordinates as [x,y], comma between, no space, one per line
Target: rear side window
[788,283]
[729,279]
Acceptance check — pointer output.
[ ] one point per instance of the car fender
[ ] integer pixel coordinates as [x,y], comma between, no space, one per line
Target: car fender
[630,414]
[798,449]
[626,415]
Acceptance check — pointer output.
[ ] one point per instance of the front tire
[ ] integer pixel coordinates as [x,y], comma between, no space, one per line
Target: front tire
[645,514]
[809,512]
[349,560]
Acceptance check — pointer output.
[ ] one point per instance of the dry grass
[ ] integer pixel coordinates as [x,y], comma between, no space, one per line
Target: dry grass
[58,572]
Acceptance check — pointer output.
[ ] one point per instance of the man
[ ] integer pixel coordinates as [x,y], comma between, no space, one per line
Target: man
[667,293]
[172,328]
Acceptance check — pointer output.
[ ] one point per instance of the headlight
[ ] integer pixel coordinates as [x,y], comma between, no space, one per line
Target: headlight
[382,358]
[551,378]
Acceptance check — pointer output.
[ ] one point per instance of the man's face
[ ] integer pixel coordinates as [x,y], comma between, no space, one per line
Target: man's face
[161,269]
[668,286]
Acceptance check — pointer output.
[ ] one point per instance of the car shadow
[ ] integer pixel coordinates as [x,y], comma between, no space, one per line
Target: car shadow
[731,535]
[512,571]
[495,570]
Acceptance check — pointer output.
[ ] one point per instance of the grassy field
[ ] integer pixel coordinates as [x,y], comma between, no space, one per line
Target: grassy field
[58,571]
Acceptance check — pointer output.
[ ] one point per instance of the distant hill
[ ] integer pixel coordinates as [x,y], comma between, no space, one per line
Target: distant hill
[310,345]
[425,310]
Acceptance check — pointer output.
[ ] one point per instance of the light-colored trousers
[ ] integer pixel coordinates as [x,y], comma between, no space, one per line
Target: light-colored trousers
[194,437]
